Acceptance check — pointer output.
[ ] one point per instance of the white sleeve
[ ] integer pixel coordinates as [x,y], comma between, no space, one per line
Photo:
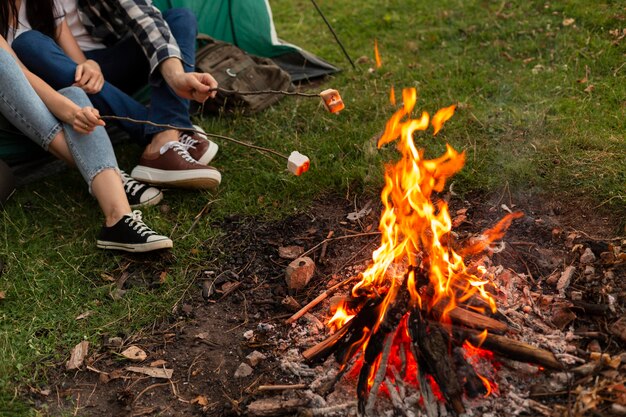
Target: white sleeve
[59,12]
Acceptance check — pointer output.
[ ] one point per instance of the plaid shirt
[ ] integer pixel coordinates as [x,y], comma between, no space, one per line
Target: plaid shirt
[110,21]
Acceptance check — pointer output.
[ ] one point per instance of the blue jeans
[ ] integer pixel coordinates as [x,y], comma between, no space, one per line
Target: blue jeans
[20,104]
[126,69]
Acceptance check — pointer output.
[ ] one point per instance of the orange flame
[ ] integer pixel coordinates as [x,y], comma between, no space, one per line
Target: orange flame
[379,63]
[392,97]
[411,224]
[416,247]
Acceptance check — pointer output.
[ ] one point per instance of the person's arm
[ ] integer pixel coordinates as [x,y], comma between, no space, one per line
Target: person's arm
[88,74]
[82,120]
[154,35]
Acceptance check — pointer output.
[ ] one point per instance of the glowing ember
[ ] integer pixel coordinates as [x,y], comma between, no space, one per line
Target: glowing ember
[416,273]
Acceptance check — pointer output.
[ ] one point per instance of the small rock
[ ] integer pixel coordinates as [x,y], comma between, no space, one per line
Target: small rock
[566,278]
[594,346]
[619,328]
[553,278]
[587,257]
[290,252]
[115,341]
[315,326]
[255,357]
[291,303]
[576,295]
[589,270]
[527,309]
[562,316]
[299,273]
[165,209]
[187,309]
[265,327]
[249,334]
[243,371]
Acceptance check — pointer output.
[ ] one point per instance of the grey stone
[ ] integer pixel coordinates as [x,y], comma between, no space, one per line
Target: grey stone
[243,371]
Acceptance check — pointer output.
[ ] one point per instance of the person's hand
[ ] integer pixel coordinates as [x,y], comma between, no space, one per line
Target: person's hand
[193,85]
[85,120]
[89,77]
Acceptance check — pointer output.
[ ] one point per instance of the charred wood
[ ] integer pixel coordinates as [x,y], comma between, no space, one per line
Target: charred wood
[392,316]
[472,384]
[432,351]
[512,349]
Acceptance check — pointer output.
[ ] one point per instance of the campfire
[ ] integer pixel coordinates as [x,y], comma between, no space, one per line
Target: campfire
[421,313]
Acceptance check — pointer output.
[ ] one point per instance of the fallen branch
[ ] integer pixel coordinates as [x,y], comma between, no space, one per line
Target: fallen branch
[281,387]
[317,300]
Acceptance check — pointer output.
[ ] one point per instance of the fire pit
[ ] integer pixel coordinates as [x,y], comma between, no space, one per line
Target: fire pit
[423,317]
[405,305]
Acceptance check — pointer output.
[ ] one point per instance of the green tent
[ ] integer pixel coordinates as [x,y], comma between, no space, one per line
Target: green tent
[248,24]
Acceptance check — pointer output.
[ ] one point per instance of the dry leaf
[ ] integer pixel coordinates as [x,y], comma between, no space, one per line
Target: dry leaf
[568,21]
[153,372]
[107,277]
[200,400]
[84,315]
[158,363]
[134,354]
[3,295]
[77,356]
[162,277]
[589,89]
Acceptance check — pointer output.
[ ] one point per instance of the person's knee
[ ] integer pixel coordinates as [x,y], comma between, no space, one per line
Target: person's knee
[32,43]
[6,58]
[77,95]
[182,21]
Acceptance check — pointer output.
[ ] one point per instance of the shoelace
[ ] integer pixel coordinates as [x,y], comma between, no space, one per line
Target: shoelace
[134,221]
[131,185]
[187,140]
[180,149]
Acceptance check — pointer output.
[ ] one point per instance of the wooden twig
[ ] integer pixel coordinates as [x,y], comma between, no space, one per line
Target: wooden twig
[338,238]
[317,300]
[191,129]
[325,244]
[281,387]
[514,349]
[260,92]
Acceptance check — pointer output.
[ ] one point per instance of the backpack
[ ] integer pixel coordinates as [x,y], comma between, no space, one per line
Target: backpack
[237,70]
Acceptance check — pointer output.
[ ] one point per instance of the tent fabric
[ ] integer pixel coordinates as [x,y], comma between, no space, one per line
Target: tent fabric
[249,25]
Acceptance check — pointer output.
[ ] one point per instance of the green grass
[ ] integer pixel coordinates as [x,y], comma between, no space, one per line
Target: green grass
[525,121]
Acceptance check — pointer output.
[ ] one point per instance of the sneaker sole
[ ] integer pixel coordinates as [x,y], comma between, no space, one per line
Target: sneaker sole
[152,202]
[136,247]
[209,154]
[183,179]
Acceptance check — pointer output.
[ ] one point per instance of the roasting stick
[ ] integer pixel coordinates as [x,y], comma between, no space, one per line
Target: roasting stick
[330,97]
[191,129]
[297,163]
[318,300]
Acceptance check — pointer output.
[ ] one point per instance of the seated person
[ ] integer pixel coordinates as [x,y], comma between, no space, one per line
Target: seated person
[124,45]
[65,124]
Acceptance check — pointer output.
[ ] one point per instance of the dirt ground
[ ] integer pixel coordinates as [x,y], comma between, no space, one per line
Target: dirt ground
[204,340]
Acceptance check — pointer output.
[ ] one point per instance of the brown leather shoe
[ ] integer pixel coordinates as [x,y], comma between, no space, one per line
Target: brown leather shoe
[199,146]
[174,167]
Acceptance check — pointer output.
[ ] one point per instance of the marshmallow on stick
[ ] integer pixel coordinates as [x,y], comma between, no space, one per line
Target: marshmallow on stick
[332,100]
[297,163]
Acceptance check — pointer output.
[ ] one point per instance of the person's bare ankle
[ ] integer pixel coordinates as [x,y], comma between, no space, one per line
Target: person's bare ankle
[158,140]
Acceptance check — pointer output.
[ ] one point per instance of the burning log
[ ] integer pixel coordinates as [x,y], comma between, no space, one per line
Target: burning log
[430,348]
[512,349]
[385,329]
